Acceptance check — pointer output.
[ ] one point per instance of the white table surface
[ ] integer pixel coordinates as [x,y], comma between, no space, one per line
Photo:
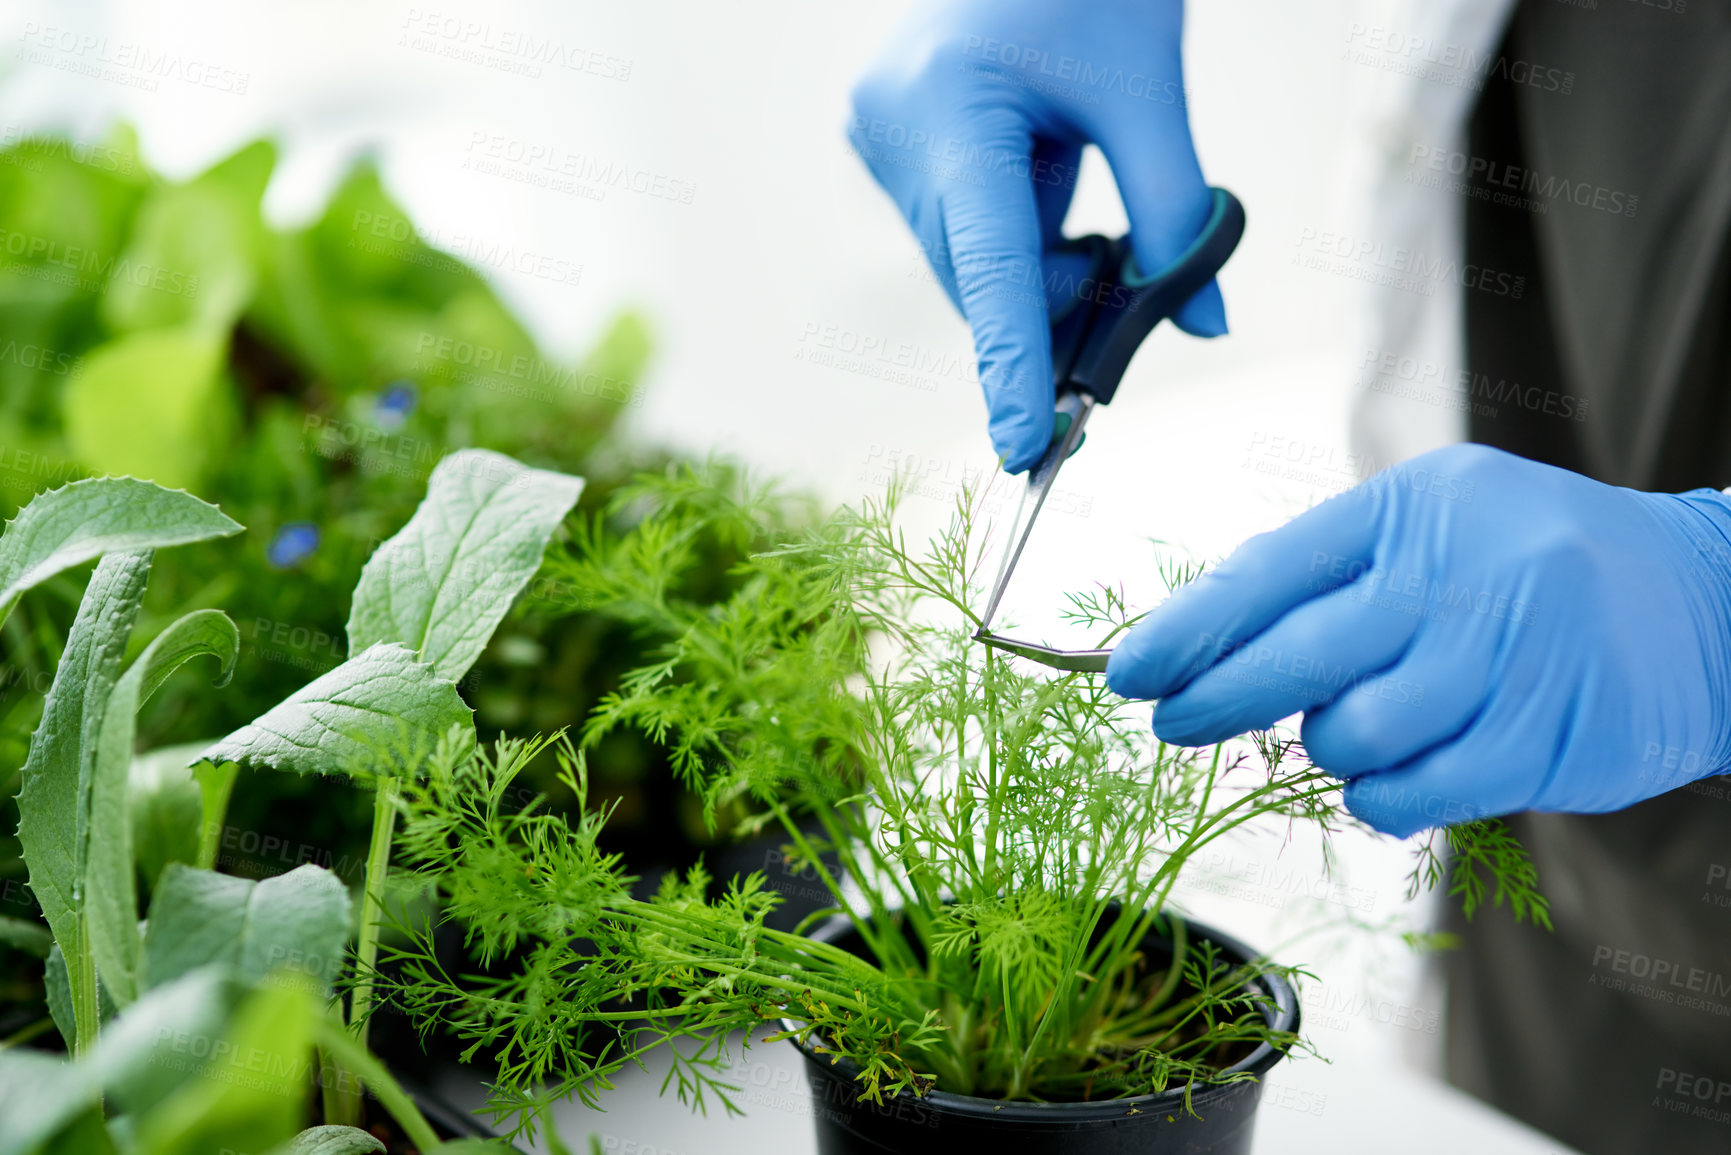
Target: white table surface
[1354,1104]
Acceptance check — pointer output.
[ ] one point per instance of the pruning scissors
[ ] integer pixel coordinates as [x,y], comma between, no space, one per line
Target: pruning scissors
[1093,339]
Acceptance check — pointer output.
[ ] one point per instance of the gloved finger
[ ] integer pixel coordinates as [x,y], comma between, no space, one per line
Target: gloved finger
[992,229]
[1426,698]
[1315,653]
[1469,777]
[1318,551]
[1168,203]
[1203,315]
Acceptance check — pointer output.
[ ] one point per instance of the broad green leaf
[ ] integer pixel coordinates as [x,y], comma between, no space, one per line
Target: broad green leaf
[22,934]
[366,244]
[382,706]
[86,519]
[165,1037]
[443,584]
[39,1096]
[244,174]
[251,1094]
[189,263]
[54,806]
[621,355]
[143,1056]
[293,309]
[191,259]
[296,922]
[88,1135]
[152,404]
[109,881]
[332,1140]
[215,784]
[167,810]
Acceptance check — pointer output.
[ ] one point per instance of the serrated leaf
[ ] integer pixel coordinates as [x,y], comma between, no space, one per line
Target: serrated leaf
[380,706]
[297,921]
[86,519]
[54,805]
[109,882]
[332,1140]
[442,585]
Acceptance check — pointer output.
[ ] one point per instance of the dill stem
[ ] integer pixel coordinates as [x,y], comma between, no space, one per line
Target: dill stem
[880,913]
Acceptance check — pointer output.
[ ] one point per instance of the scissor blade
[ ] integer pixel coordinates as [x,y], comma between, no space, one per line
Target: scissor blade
[1073,661]
[1039,485]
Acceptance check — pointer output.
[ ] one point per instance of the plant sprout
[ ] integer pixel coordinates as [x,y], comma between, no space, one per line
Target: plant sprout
[1007,838]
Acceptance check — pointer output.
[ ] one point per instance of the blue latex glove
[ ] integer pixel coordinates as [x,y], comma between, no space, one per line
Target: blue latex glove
[973,118]
[1468,634]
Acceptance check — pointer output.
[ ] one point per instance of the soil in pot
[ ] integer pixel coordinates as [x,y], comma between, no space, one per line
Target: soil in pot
[1220,1119]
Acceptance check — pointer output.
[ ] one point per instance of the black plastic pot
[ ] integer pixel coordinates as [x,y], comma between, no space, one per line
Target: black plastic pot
[1222,1121]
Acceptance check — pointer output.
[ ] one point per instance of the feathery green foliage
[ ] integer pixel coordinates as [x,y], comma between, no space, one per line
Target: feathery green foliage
[1007,838]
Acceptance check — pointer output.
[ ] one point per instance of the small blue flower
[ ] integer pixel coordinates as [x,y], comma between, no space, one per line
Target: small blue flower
[395,404]
[293,543]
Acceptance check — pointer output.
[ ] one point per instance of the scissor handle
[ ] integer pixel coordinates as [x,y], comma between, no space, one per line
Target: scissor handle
[1095,335]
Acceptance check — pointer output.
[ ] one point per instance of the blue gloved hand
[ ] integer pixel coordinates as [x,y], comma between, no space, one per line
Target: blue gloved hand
[1468,634]
[974,117]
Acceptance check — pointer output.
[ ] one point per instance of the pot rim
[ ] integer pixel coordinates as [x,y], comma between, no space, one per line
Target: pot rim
[1285,1016]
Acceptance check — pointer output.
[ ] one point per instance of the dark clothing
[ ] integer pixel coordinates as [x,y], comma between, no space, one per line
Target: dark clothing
[1613,1033]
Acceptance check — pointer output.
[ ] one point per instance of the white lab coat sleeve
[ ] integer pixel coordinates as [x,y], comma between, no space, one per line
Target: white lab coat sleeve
[1422,64]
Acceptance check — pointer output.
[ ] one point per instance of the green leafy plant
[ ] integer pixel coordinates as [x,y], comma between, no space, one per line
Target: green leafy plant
[251,964]
[73,820]
[1003,841]
[426,605]
[243,990]
[306,378]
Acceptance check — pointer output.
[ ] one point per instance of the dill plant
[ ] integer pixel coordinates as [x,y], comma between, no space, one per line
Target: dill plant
[1007,838]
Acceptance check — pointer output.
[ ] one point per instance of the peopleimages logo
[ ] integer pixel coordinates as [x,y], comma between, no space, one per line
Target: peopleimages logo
[1398,267]
[73,265]
[1665,980]
[1526,181]
[1087,80]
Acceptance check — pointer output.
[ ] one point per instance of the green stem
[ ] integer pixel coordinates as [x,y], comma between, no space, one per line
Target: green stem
[378,863]
[349,1052]
[81,976]
[367,946]
[332,1076]
[1180,937]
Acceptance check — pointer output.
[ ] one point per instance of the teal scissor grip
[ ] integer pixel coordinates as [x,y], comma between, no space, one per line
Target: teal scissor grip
[1117,306]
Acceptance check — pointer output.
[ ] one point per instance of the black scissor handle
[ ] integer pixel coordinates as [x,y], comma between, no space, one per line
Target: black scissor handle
[1115,307]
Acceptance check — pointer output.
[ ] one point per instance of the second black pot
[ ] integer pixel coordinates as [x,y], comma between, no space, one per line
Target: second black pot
[1220,1121]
